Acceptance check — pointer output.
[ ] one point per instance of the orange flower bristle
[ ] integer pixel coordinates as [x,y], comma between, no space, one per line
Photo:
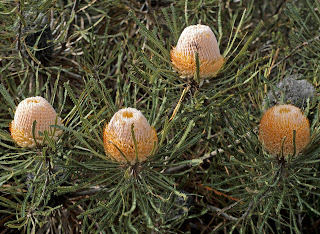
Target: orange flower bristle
[278,123]
[29,110]
[200,39]
[118,133]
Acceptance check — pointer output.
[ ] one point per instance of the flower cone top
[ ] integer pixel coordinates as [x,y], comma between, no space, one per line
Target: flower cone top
[29,110]
[278,123]
[118,133]
[197,38]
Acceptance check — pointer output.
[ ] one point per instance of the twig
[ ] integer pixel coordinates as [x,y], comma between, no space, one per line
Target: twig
[229,207]
[205,157]
[244,216]
[220,213]
[88,192]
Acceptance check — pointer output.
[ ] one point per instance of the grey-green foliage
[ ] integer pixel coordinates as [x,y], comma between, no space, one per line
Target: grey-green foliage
[305,35]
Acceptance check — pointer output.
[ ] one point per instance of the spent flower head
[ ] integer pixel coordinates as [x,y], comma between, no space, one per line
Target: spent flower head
[293,91]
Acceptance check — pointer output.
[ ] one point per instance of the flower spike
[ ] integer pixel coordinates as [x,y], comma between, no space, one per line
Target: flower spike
[29,110]
[117,136]
[197,38]
[278,123]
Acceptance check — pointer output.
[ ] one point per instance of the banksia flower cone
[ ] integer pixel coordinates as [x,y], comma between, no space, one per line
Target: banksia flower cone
[197,38]
[29,110]
[278,123]
[118,133]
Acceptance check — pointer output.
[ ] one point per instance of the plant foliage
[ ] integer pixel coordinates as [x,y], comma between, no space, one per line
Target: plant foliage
[209,172]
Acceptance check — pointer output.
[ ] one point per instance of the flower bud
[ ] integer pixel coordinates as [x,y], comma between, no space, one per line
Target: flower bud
[197,38]
[278,123]
[29,110]
[118,133]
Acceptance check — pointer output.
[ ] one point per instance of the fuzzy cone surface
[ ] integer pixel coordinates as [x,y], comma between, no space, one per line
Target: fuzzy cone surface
[201,39]
[118,133]
[278,123]
[29,110]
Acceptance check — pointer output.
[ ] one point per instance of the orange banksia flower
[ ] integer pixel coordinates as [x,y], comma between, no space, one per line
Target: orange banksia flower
[279,122]
[197,38]
[118,132]
[29,110]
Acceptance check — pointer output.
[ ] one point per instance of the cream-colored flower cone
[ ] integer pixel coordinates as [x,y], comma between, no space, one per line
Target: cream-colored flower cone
[197,38]
[29,110]
[278,123]
[118,132]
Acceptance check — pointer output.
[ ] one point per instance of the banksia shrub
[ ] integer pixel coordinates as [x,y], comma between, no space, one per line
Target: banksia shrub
[197,38]
[118,136]
[29,110]
[277,125]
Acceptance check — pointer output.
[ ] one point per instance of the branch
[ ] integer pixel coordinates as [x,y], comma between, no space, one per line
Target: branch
[220,212]
[90,191]
[205,157]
